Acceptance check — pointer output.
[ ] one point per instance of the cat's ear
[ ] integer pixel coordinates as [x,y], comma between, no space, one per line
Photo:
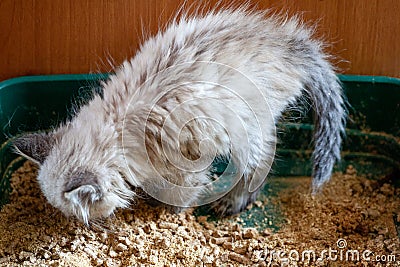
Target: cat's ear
[34,146]
[83,190]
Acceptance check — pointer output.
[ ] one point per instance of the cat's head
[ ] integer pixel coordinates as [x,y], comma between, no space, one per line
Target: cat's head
[78,174]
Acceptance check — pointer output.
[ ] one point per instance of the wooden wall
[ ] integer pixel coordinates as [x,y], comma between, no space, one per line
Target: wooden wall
[79,36]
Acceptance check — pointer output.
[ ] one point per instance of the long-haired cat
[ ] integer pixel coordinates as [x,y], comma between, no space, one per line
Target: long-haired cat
[208,87]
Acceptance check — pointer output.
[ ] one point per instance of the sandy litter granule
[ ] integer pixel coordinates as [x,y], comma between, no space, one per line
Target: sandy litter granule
[351,208]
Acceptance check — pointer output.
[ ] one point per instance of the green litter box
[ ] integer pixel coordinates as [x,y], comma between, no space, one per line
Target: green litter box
[372,144]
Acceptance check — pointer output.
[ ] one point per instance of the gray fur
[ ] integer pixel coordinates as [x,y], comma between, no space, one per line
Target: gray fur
[35,146]
[208,86]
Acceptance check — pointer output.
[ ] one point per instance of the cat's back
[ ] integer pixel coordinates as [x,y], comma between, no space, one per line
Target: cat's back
[224,36]
[189,49]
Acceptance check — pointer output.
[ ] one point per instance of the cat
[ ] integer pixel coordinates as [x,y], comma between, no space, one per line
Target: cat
[207,87]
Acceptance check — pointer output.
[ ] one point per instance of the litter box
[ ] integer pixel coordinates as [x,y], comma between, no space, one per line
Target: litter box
[372,144]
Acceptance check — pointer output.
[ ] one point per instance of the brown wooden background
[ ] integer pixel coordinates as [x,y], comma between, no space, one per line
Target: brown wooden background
[78,36]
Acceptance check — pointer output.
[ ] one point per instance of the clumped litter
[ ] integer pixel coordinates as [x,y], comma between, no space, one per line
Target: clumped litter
[352,213]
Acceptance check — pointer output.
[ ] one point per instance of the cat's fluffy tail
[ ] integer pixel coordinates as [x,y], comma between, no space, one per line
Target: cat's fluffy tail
[325,92]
